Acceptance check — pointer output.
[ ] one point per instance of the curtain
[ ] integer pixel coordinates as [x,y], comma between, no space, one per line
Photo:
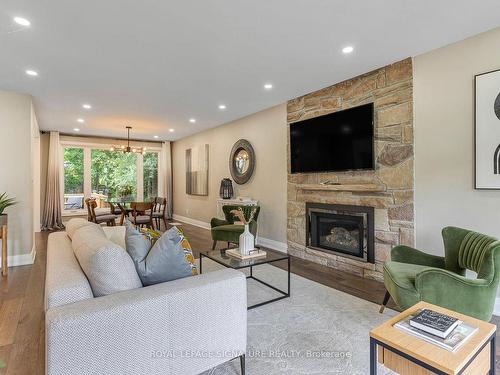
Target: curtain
[166,175]
[52,218]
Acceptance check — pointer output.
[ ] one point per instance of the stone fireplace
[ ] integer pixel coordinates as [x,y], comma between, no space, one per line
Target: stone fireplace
[388,190]
[341,229]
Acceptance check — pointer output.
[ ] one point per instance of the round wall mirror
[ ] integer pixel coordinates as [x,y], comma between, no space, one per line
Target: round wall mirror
[242,161]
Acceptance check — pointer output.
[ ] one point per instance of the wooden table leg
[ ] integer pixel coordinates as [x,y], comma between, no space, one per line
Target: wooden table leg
[4,250]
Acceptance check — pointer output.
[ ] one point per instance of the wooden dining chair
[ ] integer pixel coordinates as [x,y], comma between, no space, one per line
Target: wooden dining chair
[160,211]
[109,219]
[142,214]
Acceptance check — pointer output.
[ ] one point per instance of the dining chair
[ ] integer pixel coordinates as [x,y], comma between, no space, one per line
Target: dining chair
[109,219]
[115,210]
[160,212]
[142,214]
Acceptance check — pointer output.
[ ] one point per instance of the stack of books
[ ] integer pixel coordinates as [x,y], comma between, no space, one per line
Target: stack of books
[439,329]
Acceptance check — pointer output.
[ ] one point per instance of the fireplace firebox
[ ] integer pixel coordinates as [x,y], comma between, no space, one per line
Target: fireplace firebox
[341,229]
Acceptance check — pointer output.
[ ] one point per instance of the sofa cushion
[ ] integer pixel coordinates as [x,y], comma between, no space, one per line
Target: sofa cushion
[107,266]
[399,280]
[170,257]
[116,234]
[74,224]
[65,281]
[230,228]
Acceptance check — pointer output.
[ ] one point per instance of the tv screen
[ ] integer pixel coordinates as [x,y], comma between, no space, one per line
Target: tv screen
[338,141]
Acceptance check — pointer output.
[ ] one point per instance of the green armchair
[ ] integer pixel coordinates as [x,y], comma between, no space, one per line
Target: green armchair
[225,230]
[412,276]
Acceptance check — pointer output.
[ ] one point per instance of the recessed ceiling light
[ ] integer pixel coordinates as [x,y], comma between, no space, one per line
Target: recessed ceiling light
[155,137]
[268,86]
[171,130]
[80,120]
[31,73]
[192,120]
[347,49]
[86,106]
[22,21]
[222,106]
[76,129]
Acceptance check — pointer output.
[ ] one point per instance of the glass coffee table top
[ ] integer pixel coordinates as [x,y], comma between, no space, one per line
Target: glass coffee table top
[221,257]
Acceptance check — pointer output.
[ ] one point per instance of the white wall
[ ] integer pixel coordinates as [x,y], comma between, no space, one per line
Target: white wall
[266,131]
[444,140]
[16,172]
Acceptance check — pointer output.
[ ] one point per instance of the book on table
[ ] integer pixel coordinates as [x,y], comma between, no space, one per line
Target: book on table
[455,339]
[434,322]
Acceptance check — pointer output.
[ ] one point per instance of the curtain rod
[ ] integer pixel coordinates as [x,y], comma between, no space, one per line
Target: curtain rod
[102,137]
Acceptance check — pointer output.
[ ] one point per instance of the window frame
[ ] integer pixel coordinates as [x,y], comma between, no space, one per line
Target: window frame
[87,165]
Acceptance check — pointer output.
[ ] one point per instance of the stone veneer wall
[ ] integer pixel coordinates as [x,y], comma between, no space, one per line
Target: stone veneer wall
[391,90]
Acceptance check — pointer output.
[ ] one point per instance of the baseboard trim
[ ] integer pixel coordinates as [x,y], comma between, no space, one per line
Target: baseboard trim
[21,260]
[272,244]
[188,220]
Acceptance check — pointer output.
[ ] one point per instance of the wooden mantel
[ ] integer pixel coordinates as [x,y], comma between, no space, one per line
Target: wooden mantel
[342,187]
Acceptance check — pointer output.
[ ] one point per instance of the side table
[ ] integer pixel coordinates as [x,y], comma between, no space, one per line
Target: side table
[406,354]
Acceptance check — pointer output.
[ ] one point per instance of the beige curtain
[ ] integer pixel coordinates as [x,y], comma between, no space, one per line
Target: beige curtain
[52,218]
[166,175]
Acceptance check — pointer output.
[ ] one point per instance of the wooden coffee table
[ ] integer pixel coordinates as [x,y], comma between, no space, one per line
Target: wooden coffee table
[407,354]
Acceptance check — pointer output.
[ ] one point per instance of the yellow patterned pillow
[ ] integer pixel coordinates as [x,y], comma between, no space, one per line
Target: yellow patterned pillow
[188,252]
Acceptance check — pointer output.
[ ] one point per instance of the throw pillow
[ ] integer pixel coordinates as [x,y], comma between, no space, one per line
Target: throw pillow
[74,224]
[116,235]
[108,267]
[170,257]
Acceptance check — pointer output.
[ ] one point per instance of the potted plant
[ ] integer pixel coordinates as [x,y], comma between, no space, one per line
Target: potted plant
[5,202]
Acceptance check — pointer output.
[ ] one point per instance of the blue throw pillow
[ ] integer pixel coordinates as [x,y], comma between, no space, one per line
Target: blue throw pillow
[170,257]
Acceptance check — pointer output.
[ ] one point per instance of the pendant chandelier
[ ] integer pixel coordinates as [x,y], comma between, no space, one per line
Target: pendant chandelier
[126,149]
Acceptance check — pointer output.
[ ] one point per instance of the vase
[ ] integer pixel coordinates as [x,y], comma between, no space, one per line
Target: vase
[247,241]
[3,220]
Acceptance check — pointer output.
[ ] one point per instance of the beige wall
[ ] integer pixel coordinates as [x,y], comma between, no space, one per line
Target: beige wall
[266,131]
[16,177]
[444,139]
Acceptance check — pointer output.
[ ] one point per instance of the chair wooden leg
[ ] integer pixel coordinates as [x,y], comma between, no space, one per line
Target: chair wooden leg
[384,302]
[164,222]
[242,364]
[214,244]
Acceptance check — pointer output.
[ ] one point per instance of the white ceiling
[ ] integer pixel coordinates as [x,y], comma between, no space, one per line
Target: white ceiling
[155,64]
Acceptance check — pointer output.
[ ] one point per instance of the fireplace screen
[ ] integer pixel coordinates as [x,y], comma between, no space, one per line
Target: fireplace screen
[339,232]
[342,231]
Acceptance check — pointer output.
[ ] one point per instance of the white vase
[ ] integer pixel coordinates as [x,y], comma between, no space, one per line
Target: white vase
[247,241]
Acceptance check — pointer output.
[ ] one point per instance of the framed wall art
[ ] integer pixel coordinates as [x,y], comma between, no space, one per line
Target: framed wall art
[487,130]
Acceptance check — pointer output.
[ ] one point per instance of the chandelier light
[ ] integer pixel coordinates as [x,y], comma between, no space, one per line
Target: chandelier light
[128,149]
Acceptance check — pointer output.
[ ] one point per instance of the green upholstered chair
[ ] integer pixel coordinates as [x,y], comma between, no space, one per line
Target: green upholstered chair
[412,276]
[225,230]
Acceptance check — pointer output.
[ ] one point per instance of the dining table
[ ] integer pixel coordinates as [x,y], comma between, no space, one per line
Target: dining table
[125,206]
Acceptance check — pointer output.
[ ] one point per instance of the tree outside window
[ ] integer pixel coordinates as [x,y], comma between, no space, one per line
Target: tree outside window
[150,184]
[114,174]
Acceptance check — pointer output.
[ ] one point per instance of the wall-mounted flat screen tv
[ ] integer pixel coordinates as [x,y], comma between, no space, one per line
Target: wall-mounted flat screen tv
[339,141]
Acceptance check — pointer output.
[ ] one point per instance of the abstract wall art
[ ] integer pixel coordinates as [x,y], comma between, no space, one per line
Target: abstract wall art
[487,130]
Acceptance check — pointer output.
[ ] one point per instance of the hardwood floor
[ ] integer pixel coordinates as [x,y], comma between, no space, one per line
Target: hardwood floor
[22,328]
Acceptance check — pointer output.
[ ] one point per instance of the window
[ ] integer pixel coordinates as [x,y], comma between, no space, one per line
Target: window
[150,175]
[73,178]
[91,170]
[113,174]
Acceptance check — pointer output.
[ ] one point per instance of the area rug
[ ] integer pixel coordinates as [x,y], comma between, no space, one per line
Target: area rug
[318,330]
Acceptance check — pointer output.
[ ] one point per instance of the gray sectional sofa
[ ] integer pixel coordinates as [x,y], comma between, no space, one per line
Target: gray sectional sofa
[185,326]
